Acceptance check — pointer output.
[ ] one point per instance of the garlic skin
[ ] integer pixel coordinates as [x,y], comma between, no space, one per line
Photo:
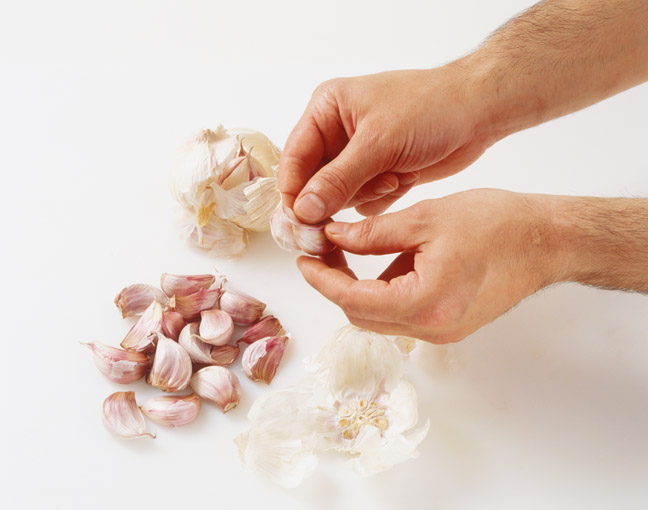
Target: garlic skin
[172,410]
[172,324]
[122,416]
[216,327]
[183,285]
[118,365]
[261,359]
[268,326]
[191,305]
[224,355]
[171,370]
[242,308]
[135,299]
[218,385]
[138,338]
[291,234]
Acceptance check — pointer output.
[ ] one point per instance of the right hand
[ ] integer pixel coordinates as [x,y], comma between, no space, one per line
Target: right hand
[364,142]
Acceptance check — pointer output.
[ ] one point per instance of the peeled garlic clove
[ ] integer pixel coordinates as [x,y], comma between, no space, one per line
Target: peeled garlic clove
[261,359]
[172,410]
[218,385]
[199,351]
[183,285]
[216,327]
[171,370]
[190,306]
[122,416]
[138,339]
[172,324]
[268,326]
[118,365]
[135,299]
[224,354]
[242,308]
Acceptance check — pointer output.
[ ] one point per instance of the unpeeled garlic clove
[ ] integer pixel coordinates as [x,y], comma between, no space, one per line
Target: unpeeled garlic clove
[281,229]
[218,385]
[199,351]
[261,359]
[172,410]
[268,326]
[172,324]
[171,370]
[135,299]
[190,306]
[291,234]
[118,365]
[216,327]
[138,338]
[242,308]
[183,285]
[224,354]
[122,416]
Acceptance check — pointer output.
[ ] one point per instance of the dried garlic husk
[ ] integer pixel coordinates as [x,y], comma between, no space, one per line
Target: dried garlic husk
[218,385]
[171,368]
[268,326]
[291,234]
[122,416]
[224,355]
[261,359]
[172,410]
[191,305]
[135,299]
[172,324]
[138,338]
[242,308]
[216,327]
[118,365]
[183,285]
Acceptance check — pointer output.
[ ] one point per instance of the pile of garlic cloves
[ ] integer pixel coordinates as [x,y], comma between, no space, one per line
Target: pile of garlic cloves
[183,339]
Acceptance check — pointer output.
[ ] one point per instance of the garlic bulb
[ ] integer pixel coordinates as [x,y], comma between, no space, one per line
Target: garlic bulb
[171,368]
[172,410]
[218,385]
[120,366]
[122,416]
[261,359]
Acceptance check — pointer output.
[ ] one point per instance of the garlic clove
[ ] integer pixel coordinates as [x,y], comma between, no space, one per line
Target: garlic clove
[172,324]
[260,147]
[224,355]
[261,199]
[261,359]
[282,231]
[221,237]
[268,326]
[199,351]
[291,234]
[218,385]
[172,410]
[118,365]
[243,309]
[190,306]
[135,299]
[171,370]
[122,416]
[138,339]
[216,327]
[184,285]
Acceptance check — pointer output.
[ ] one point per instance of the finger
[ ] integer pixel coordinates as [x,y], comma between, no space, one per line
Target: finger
[400,266]
[337,260]
[382,204]
[376,188]
[451,164]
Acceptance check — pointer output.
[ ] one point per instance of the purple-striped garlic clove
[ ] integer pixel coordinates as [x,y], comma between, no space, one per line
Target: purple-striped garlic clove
[118,365]
[216,327]
[224,355]
[218,385]
[191,305]
[172,324]
[122,416]
[199,351]
[184,285]
[138,338]
[242,308]
[171,369]
[135,299]
[261,359]
[268,326]
[172,410]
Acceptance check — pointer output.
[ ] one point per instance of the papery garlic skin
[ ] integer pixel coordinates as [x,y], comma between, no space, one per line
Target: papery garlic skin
[267,326]
[172,410]
[216,327]
[118,365]
[172,324]
[135,299]
[218,385]
[171,369]
[122,416]
[291,234]
[191,305]
[183,285]
[242,308]
[138,338]
[261,359]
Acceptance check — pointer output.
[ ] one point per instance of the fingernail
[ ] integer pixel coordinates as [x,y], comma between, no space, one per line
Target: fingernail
[310,207]
[336,229]
[408,178]
[384,187]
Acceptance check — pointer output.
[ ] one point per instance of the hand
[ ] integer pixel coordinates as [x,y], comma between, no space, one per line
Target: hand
[464,260]
[366,141]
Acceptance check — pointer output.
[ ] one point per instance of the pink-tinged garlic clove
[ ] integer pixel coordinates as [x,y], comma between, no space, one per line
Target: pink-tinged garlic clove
[216,327]
[268,326]
[184,285]
[190,306]
[242,308]
[135,299]
[122,416]
[138,338]
[291,234]
[282,231]
[224,355]
[199,351]
[261,359]
[171,370]
[172,324]
[118,365]
[218,385]
[172,410]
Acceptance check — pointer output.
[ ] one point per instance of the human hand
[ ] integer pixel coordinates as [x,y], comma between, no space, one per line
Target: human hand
[366,141]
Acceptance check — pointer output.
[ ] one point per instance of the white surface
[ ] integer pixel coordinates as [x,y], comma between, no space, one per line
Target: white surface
[548,406]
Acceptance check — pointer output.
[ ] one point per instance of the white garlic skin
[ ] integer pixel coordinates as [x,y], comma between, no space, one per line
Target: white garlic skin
[172,410]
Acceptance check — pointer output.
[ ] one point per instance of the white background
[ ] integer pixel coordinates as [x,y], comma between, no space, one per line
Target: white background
[548,405]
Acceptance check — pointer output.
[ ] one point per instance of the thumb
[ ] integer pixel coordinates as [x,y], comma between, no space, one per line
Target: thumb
[331,188]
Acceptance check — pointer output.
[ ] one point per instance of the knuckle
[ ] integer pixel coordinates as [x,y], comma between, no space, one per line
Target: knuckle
[335,184]
[366,229]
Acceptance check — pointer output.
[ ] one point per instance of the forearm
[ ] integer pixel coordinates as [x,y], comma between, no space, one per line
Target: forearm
[556,58]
